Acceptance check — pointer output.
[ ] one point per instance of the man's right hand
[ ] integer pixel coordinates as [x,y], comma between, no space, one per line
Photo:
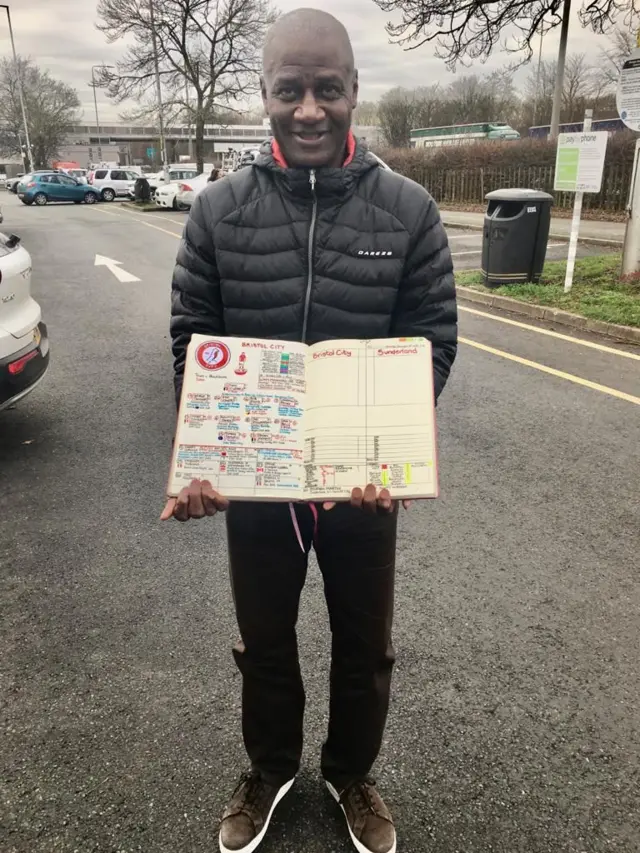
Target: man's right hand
[196,500]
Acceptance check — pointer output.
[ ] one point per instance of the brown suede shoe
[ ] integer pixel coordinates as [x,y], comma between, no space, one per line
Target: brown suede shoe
[369,820]
[246,818]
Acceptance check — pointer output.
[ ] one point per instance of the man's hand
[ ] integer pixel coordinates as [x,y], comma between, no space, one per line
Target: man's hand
[370,500]
[194,501]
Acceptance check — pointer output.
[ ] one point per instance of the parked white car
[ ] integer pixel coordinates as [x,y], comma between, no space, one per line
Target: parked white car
[188,190]
[112,182]
[166,196]
[79,174]
[24,343]
[12,183]
[175,174]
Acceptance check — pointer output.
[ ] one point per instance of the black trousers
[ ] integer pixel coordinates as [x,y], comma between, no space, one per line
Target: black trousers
[356,555]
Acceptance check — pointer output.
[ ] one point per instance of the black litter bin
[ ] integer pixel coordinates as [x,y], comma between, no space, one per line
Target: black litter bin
[515,234]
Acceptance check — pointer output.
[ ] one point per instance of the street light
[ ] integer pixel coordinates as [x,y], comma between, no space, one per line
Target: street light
[20,92]
[156,63]
[95,102]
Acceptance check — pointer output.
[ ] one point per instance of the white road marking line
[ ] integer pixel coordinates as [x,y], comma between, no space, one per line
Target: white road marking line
[570,377]
[126,217]
[551,334]
[114,267]
[469,310]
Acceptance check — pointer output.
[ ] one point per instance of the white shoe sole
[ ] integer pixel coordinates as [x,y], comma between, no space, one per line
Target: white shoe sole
[253,845]
[357,844]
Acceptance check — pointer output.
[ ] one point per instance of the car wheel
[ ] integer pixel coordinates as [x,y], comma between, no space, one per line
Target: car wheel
[91,198]
[40,199]
[108,195]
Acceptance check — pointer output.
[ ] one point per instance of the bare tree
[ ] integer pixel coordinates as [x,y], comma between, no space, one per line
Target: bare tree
[208,50]
[396,114]
[472,29]
[366,113]
[621,42]
[428,106]
[576,88]
[51,108]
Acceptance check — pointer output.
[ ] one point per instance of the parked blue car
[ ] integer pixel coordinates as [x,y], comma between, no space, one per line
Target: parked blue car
[42,187]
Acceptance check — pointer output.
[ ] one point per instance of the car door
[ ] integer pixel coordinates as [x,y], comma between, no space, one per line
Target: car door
[68,188]
[50,184]
[120,181]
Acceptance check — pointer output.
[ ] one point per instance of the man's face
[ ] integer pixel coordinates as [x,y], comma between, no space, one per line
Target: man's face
[309,92]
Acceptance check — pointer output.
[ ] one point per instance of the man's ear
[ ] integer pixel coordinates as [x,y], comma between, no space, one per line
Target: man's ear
[263,92]
[354,91]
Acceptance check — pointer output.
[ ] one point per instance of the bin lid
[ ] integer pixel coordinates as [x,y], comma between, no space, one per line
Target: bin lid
[518,195]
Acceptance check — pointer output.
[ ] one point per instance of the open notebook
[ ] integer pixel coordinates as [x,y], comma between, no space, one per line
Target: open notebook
[278,420]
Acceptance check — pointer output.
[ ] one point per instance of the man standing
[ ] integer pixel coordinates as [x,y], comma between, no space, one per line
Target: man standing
[315,241]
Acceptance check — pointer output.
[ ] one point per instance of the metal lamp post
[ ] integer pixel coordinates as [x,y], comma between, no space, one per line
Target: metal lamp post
[95,103]
[20,92]
[156,63]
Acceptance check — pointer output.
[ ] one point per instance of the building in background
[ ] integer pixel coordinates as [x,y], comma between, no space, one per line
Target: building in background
[138,145]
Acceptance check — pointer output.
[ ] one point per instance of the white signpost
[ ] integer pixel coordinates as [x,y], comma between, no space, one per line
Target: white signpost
[628,103]
[579,167]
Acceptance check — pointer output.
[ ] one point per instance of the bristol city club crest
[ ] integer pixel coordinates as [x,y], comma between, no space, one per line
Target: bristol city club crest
[213,355]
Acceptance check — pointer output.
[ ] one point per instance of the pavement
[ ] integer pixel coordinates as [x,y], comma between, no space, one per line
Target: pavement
[514,725]
[466,248]
[591,230]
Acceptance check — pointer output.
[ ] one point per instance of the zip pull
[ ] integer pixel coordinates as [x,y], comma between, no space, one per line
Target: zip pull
[312,180]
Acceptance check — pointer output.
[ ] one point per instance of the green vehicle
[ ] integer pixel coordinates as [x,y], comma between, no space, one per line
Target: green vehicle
[455,134]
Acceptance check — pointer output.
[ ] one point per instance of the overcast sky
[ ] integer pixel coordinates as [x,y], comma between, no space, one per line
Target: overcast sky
[61,35]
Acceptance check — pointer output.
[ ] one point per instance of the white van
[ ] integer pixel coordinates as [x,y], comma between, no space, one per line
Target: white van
[24,343]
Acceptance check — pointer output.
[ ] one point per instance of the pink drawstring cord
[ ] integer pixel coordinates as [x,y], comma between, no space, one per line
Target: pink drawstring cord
[296,526]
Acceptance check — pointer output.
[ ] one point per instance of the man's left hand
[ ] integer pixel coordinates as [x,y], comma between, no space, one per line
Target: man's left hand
[370,500]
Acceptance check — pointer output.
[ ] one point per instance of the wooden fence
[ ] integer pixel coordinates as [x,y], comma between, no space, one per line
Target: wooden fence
[469,186]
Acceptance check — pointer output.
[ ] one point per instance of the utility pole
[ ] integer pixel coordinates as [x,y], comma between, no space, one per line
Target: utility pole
[186,93]
[154,43]
[631,247]
[562,53]
[95,103]
[537,95]
[20,92]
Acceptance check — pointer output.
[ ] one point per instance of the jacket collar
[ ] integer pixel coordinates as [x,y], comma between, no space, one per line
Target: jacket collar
[280,161]
[331,183]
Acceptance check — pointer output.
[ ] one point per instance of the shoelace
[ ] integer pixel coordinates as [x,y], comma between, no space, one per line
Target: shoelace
[361,797]
[253,788]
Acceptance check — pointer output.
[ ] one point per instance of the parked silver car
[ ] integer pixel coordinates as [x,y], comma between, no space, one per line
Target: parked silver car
[112,182]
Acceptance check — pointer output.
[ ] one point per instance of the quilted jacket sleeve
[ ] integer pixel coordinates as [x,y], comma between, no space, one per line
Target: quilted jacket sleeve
[196,305]
[426,304]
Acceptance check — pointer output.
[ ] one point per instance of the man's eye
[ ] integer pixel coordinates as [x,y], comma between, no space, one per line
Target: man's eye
[329,92]
[287,93]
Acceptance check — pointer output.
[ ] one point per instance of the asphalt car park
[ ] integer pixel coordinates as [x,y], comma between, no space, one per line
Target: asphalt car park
[514,725]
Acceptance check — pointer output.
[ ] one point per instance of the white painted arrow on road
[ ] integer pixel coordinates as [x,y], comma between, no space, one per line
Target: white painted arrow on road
[114,267]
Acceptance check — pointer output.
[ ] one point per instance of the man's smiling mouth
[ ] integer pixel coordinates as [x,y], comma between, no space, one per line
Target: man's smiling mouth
[309,136]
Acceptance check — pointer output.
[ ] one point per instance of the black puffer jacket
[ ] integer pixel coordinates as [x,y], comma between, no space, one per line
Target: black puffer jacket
[357,252]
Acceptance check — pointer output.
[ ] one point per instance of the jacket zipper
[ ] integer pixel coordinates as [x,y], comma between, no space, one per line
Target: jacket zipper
[312,234]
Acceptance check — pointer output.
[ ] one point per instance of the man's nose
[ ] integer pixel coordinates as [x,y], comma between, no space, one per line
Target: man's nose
[309,110]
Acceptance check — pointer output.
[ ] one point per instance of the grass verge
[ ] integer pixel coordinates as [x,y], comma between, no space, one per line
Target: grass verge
[597,292]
